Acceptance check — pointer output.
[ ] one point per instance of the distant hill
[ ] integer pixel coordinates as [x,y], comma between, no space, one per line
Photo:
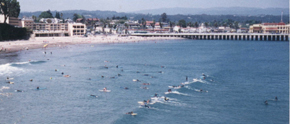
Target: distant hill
[208,15]
[86,13]
[217,11]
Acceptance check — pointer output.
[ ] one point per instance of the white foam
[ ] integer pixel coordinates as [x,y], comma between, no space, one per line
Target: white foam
[161,100]
[176,87]
[6,94]
[188,87]
[7,69]
[197,90]
[20,63]
[4,88]
[197,80]
[176,92]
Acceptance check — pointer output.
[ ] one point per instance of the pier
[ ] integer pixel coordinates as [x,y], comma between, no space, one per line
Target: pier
[219,36]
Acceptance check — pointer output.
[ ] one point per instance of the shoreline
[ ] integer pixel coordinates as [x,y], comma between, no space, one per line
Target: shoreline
[39,42]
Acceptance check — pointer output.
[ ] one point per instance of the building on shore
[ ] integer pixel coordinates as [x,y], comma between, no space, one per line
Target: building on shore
[11,20]
[280,28]
[55,29]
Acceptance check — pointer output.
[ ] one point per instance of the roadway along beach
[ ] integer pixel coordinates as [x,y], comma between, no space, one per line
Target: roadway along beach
[39,42]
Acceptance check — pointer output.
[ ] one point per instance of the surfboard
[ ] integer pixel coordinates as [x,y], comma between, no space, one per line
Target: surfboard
[45,45]
[10,79]
[167,92]
[11,82]
[42,88]
[93,96]
[134,114]
[105,91]
[146,88]
[141,102]
[135,80]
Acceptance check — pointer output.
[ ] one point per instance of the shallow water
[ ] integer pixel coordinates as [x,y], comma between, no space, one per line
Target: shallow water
[240,76]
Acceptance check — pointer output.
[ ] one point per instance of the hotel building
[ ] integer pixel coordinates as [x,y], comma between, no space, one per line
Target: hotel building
[54,29]
[280,28]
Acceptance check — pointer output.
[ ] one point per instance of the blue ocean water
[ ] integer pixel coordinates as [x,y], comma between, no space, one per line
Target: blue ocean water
[240,76]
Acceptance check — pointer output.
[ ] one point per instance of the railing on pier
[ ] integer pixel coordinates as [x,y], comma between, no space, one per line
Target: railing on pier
[220,36]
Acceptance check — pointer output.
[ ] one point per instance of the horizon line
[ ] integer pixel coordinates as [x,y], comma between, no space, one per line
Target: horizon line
[158,8]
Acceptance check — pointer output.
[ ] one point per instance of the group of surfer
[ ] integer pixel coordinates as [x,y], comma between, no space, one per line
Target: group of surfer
[9,82]
[266,102]
[179,86]
[45,52]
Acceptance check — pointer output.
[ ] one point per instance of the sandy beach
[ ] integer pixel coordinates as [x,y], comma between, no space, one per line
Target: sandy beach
[40,42]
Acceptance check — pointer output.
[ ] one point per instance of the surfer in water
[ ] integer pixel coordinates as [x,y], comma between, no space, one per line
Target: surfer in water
[37,88]
[126,88]
[166,99]
[93,95]
[145,102]
[129,113]
[169,90]
[144,87]
[31,80]
[7,78]
[186,78]
[266,102]
[276,98]
[148,101]
[105,89]
[67,76]
[155,95]
[146,106]
[62,73]
[200,90]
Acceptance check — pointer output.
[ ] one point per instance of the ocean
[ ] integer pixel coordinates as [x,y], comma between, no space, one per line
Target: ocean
[239,76]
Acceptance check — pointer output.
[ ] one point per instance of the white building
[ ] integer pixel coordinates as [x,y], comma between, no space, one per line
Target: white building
[270,28]
[76,29]
[54,29]
[2,18]
[176,28]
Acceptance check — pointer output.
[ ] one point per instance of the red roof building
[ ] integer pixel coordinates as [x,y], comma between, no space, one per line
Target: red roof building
[93,19]
[268,24]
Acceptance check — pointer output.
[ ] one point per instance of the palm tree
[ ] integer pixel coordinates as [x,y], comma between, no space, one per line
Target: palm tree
[153,24]
[206,24]
[170,25]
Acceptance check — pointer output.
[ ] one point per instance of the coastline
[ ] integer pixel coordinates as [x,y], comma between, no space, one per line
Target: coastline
[39,42]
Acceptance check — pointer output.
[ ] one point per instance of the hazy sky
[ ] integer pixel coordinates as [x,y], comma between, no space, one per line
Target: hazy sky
[135,5]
